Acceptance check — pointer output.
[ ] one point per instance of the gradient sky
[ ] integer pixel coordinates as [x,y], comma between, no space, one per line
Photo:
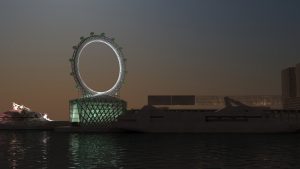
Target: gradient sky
[172,47]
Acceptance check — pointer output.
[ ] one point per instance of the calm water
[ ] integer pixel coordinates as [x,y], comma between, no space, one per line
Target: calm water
[24,149]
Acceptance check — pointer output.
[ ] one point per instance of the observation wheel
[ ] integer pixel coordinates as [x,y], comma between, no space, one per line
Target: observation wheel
[80,84]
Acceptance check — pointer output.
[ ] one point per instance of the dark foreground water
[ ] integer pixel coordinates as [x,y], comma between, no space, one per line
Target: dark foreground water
[33,149]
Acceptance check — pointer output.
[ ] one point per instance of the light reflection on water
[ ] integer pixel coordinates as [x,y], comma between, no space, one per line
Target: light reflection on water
[43,150]
[91,151]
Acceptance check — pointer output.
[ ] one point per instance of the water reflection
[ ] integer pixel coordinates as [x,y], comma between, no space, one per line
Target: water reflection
[28,149]
[185,151]
[93,150]
[23,150]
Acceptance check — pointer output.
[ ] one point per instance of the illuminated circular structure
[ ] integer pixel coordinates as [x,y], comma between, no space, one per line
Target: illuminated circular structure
[80,84]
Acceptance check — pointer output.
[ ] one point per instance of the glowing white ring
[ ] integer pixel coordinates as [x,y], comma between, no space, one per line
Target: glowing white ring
[75,66]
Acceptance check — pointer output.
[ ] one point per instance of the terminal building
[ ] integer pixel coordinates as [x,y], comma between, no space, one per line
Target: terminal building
[213,102]
[290,83]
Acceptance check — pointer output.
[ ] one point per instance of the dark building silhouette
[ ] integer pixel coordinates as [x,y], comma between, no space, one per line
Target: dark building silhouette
[171,100]
[290,83]
[298,79]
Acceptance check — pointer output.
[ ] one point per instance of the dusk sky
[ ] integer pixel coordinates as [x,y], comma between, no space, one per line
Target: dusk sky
[172,47]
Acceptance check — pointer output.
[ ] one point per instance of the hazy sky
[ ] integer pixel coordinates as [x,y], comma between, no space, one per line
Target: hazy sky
[172,47]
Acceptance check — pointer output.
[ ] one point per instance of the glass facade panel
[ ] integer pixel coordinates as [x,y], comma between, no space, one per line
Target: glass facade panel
[74,116]
[96,111]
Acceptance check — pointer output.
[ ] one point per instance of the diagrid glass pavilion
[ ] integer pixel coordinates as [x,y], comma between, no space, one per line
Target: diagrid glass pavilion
[97,109]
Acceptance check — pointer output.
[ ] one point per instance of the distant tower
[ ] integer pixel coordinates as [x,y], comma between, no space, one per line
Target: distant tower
[288,82]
